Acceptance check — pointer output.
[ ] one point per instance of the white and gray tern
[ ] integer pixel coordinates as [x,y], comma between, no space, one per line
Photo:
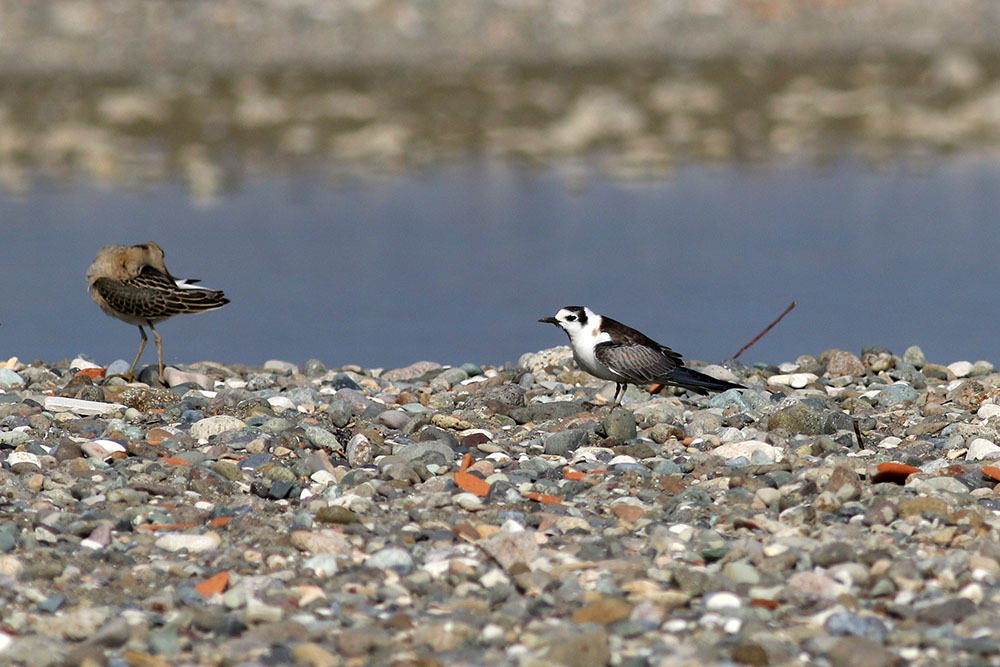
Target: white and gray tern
[610,350]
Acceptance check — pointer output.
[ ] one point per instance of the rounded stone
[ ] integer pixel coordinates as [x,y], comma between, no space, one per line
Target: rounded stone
[982,449]
[393,558]
[620,425]
[395,419]
[842,363]
[799,418]
[561,443]
[322,439]
[915,356]
[896,394]
[192,543]
[961,369]
[23,462]
[9,378]
[209,426]
[359,450]
[722,600]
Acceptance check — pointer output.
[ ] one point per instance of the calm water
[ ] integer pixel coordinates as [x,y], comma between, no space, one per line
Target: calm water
[456,264]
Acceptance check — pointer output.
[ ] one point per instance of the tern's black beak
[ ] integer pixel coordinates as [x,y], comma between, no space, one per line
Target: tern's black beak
[549,320]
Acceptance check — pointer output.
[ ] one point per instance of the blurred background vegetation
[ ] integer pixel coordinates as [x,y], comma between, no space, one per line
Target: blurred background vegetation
[122,93]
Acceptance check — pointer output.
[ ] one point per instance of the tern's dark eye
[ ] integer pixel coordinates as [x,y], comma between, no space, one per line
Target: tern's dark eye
[571,318]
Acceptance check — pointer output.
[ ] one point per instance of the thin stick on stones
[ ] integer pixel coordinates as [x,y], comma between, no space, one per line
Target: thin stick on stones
[857,434]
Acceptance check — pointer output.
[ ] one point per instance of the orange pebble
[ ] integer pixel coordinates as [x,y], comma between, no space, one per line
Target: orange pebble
[469,482]
[214,584]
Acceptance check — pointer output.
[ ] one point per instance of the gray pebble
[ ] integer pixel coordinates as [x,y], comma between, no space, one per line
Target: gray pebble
[897,394]
[416,450]
[393,558]
[322,439]
[832,553]
[914,356]
[667,468]
[538,412]
[313,368]
[846,623]
[9,378]
[395,419]
[620,425]
[562,443]
[339,412]
[799,418]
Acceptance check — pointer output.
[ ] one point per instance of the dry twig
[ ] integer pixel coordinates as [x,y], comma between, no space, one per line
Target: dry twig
[769,327]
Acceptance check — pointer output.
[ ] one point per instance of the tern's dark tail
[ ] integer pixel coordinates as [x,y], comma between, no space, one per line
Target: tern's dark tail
[697,382]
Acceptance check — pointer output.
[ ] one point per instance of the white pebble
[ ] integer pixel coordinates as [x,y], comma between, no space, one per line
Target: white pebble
[891,442]
[101,449]
[492,632]
[722,600]
[512,526]
[961,369]
[178,541]
[494,577]
[469,501]
[80,407]
[793,380]
[436,568]
[775,549]
[988,410]
[675,625]
[747,448]
[209,426]
[720,373]
[80,363]
[10,565]
[23,457]
[359,450]
[980,449]
[324,477]
[682,531]
[281,403]
[973,592]
[321,565]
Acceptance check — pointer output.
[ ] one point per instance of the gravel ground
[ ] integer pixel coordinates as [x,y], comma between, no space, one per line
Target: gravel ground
[840,511]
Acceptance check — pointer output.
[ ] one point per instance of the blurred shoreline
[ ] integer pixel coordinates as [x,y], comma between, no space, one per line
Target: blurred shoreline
[116,37]
[122,94]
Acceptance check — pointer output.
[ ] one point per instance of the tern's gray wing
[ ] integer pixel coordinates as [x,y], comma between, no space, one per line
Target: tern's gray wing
[154,296]
[637,362]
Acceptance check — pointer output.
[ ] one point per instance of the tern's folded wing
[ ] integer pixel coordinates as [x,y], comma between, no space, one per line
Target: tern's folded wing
[637,362]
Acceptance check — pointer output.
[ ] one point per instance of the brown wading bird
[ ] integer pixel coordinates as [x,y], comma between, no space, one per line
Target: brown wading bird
[132,284]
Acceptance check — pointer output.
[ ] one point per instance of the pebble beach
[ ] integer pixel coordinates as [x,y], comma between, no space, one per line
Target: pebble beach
[841,510]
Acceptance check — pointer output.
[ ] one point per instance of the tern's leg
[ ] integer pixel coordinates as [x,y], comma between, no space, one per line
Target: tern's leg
[142,346]
[159,351]
[619,394]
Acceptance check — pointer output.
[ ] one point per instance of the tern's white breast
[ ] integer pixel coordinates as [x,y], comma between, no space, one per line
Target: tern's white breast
[583,351]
